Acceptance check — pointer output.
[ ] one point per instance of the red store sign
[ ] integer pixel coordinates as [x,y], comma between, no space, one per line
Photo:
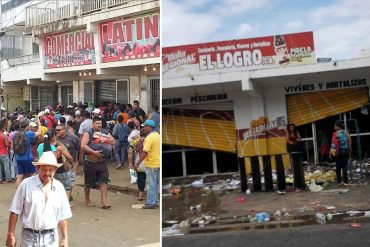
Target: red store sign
[243,54]
[69,49]
[128,39]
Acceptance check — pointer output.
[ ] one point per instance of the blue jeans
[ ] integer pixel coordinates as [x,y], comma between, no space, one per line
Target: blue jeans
[121,151]
[152,175]
[30,239]
[4,165]
[12,165]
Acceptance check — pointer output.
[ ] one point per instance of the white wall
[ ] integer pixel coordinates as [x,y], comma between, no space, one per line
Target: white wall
[275,102]
[21,72]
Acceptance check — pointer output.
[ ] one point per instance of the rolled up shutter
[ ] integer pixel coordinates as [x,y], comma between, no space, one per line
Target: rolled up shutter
[309,107]
[208,129]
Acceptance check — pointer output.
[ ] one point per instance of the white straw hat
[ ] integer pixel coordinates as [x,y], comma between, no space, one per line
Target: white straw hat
[47,158]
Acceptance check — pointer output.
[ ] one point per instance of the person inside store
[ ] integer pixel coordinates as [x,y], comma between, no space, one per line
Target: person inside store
[342,145]
[292,138]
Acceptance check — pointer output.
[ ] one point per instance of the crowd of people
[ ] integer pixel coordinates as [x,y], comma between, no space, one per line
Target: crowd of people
[80,135]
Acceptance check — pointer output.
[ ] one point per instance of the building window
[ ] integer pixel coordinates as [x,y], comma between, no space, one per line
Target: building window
[88,91]
[123,92]
[154,92]
[67,95]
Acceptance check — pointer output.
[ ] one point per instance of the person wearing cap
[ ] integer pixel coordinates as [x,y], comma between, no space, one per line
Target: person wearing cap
[19,118]
[33,127]
[155,115]
[49,118]
[77,121]
[96,112]
[24,160]
[151,158]
[41,204]
[90,107]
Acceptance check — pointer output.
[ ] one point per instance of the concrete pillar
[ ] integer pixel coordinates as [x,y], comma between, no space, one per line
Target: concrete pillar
[144,86]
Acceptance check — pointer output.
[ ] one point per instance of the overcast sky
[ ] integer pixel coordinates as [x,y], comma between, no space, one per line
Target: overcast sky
[341,27]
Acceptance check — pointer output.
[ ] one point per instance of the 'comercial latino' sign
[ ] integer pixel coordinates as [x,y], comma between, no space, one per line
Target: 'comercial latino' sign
[243,54]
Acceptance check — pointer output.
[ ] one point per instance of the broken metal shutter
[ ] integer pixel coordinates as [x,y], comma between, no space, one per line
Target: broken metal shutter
[105,91]
[310,107]
[207,129]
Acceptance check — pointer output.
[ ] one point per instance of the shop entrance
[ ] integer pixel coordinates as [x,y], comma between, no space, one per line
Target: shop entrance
[199,139]
[315,114]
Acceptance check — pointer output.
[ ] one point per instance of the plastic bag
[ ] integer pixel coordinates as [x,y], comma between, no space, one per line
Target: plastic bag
[314,187]
[133,176]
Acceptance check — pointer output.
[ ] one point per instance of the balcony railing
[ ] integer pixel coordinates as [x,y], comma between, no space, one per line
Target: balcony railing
[26,59]
[48,11]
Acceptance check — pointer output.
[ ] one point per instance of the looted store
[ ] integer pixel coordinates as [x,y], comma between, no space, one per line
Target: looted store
[223,101]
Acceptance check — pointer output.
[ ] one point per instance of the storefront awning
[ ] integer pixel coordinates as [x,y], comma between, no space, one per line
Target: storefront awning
[310,107]
[207,129]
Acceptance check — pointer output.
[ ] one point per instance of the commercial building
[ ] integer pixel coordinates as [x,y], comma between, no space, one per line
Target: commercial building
[224,100]
[78,50]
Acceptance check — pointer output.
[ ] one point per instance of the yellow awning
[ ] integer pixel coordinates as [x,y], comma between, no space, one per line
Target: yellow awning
[309,107]
[213,130]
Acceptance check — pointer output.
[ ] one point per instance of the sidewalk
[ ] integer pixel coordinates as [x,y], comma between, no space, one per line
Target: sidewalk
[119,179]
[212,206]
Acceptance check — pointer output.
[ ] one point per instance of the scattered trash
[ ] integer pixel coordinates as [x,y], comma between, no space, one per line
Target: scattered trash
[304,209]
[277,215]
[137,206]
[354,213]
[356,225]
[176,191]
[262,217]
[197,207]
[320,218]
[174,230]
[240,199]
[367,214]
[133,176]
[314,187]
[281,192]
[330,208]
[184,224]
[336,191]
[171,222]
[203,220]
[198,183]
[248,192]
[329,216]
[167,186]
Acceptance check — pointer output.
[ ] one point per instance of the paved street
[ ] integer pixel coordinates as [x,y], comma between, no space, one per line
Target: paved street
[120,226]
[323,236]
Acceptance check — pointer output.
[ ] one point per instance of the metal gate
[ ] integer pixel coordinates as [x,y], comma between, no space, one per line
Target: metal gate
[154,92]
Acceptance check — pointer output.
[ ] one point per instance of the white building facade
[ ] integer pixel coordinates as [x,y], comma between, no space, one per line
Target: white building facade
[233,99]
[69,51]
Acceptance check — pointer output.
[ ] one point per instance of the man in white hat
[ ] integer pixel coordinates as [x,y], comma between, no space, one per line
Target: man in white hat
[42,204]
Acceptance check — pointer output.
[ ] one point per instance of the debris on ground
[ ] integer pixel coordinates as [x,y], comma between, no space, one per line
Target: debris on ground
[167,186]
[354,213]
[335,191]
[262,217]
[198,183]
[240,199]
[176,191]
[203,220]
[320,218]
[356,225]
[196,207]
[314,187]
[329,216]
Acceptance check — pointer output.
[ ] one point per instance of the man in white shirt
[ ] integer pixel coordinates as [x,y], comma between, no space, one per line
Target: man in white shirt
[42,204]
